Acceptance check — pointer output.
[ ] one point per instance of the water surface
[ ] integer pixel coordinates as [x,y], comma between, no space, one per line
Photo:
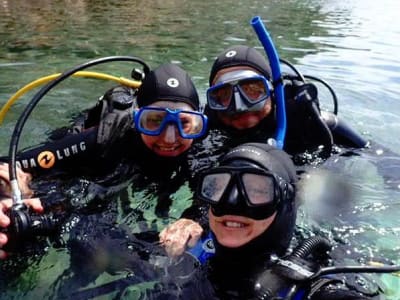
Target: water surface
[351,44]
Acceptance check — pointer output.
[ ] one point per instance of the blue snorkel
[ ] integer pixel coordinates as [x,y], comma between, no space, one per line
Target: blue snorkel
[273,58]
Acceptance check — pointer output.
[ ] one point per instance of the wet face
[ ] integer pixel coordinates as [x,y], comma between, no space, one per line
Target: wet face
[169,143]
[242,120]
[235,231]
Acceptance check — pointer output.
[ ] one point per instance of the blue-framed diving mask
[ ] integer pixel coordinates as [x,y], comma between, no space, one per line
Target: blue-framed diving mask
[153,120]
[245,191]
[239,91]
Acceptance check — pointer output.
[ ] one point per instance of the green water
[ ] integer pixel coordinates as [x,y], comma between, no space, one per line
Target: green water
[351,44]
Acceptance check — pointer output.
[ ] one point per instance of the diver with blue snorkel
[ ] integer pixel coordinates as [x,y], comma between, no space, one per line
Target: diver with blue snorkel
[249,99]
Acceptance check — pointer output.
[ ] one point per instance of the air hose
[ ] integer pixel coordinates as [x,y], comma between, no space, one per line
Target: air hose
[286,277]
[312,245]
[45,79]
[16,193]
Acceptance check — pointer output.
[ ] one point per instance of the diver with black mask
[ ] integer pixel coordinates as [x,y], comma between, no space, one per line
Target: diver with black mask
[253,206]
[246,252]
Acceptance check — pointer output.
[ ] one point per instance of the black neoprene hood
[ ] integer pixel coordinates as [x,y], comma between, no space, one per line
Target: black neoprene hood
[265,156]
[276,238]
[168,82]
[240,56]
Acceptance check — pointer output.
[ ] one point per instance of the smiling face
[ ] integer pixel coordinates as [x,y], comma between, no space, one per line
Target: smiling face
[169,143]
[242,120]
[236,231]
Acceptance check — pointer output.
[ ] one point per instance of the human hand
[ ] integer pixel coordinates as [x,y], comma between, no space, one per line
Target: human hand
[5,206]
[179,235]
[24,179]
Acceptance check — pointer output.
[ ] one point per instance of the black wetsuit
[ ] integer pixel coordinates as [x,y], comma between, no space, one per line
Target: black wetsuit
[233,273]
[90,184]
[76,152]
[230,275]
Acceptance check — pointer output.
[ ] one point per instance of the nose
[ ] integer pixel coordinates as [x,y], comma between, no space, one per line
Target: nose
[170,134]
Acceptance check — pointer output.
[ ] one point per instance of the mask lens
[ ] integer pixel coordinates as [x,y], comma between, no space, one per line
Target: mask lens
[152,120]
[259,188]
[214,185]
[255,89]
[219,97]
[191,123]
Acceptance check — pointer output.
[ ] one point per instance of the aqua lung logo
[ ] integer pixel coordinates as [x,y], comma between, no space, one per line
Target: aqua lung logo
[231,53]
[47,159]
[173,82]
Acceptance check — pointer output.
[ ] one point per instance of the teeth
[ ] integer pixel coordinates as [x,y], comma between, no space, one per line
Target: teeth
[234,224]
[167,149]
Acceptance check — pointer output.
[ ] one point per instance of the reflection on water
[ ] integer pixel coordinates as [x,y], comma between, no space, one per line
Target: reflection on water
[351,44]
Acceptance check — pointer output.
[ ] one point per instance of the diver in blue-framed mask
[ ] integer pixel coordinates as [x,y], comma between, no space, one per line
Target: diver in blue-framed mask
[168,117]
[239,91]
[109,149]
[242,104]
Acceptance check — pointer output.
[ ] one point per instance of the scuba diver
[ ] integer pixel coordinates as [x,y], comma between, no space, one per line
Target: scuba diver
[248,249]
[253,205]
[107,151]
[241,104]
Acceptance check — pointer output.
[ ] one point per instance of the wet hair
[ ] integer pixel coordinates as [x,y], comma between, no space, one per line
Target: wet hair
[240,56]
[277,237]
[170,83]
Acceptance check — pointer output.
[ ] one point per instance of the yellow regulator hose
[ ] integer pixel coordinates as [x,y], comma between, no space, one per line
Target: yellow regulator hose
[45,79]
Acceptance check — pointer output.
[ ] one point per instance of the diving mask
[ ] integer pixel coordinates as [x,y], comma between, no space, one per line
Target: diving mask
[247,191]
[153,120]
[239,91]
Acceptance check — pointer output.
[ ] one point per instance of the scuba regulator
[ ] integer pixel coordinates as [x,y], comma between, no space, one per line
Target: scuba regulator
[25,225]
[288,277]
